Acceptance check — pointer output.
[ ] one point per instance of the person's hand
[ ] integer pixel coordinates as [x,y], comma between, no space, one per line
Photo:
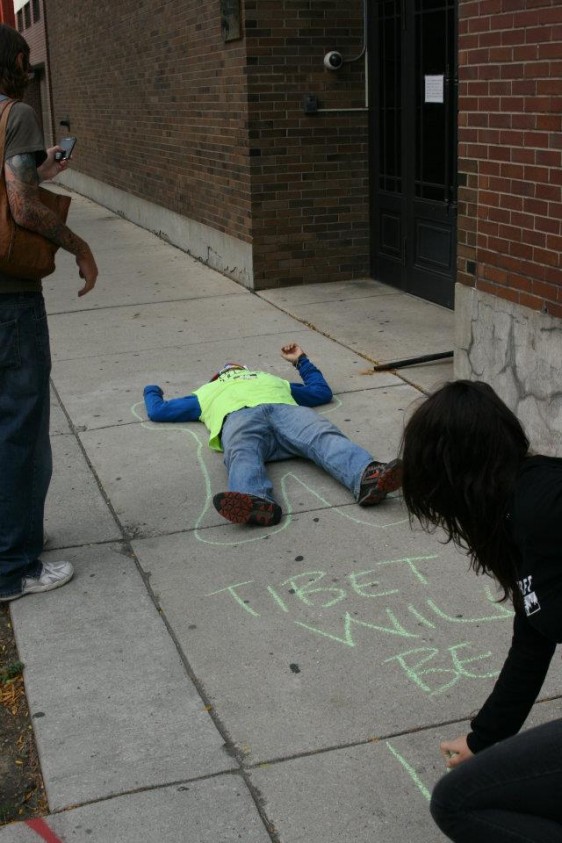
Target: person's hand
[455,752]
[88,270]
[291,352]
[50,168]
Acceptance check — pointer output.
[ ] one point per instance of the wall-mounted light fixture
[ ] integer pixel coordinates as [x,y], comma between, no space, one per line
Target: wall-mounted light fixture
[334,59]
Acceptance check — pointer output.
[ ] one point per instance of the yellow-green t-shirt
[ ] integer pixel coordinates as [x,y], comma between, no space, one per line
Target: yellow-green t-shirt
[235,389]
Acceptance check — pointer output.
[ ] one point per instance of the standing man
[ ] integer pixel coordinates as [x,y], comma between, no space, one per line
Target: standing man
[25,360]
[256,418]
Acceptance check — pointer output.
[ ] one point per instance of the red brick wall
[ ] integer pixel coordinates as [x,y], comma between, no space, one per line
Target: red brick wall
[510,150]
[158,103]
[310,193]
[7,14]
[167,112]
[35,37]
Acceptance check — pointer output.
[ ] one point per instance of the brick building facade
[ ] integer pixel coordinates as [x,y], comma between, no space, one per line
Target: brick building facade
[30,21]
[510,151]
[509,296]
[215,133]
[7,13]
[207,142]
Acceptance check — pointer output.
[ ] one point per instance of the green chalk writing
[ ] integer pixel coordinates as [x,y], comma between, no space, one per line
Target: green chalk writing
[411,772]
[348,622]
[414,663]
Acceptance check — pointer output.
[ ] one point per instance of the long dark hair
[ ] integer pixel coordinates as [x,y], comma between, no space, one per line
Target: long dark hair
[13,77]
[462,449]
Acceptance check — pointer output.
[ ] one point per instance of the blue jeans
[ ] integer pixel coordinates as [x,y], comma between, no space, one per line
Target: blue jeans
[254,436]
[509,793]
[25,448]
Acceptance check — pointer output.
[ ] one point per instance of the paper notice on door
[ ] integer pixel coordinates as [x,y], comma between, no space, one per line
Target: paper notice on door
[434,88]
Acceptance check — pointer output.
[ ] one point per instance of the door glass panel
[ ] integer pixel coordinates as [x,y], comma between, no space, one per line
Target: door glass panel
[390,96]
[434,58]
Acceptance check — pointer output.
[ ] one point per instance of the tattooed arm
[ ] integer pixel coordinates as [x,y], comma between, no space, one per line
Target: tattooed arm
[22,180]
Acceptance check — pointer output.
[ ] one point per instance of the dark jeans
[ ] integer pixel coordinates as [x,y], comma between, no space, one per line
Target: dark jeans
[507,793]
[25,449]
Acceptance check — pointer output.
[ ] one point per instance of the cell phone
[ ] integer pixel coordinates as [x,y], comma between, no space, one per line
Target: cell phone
[68,145]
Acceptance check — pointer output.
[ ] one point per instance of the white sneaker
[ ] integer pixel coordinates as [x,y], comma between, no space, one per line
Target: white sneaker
[53,575]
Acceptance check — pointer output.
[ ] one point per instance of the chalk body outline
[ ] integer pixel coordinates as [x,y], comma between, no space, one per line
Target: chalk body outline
[201,448]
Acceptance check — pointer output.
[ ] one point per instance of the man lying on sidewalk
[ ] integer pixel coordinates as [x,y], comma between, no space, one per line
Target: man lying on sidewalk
[255,418]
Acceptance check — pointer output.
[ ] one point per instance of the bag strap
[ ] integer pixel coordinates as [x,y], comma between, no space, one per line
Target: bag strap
[6,107]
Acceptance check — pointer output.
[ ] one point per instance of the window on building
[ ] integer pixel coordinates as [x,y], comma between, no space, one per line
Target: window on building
[20,20]
[36,10]
[27,15]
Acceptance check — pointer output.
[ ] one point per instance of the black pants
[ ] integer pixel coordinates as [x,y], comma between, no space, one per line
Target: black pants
[510,792]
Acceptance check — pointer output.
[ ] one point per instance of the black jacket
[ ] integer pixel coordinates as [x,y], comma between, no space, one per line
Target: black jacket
[536,526]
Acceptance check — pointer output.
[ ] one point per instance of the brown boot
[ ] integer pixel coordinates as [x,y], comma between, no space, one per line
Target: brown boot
[379,478]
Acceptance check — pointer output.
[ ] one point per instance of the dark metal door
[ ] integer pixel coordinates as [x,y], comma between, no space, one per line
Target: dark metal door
[413,64]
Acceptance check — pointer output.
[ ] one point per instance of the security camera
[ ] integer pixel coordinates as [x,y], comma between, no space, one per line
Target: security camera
[333,60]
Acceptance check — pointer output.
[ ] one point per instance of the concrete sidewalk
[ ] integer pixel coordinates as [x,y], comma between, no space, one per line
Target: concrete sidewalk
[203,682]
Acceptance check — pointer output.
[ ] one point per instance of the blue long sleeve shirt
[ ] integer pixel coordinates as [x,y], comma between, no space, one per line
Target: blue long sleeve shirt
[313,392]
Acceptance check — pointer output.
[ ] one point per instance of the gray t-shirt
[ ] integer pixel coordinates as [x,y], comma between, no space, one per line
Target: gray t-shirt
[23,135]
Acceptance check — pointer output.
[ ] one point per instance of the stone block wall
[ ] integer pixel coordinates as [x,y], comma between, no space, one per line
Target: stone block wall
[517,351]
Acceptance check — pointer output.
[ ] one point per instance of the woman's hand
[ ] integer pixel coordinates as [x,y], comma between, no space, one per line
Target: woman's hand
[455,752]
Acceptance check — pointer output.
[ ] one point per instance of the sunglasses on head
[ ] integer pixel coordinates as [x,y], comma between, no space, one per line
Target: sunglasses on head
[226,368]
